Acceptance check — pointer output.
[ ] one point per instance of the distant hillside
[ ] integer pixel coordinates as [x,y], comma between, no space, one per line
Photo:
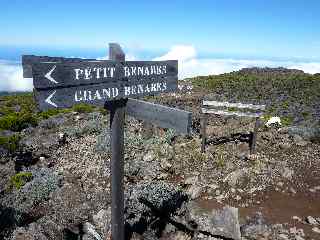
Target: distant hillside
[5,93]
[289,93]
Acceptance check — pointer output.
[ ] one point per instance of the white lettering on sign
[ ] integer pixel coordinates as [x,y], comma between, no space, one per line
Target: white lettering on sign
[110,93]
[145,70]
[109,72]
[145,88]
[99,94]
[78,73]
[96,72]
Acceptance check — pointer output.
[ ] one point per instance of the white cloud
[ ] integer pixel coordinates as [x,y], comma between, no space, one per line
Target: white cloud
[129,57]
[103,58]
[179,52]
[11,78]
[312,67]
[190,65]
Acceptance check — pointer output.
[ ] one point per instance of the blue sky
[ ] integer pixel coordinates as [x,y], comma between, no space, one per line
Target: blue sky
[251,28]
[273,30]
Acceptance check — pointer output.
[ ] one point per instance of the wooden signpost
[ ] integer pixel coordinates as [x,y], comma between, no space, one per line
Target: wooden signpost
[61,85]
[63,82]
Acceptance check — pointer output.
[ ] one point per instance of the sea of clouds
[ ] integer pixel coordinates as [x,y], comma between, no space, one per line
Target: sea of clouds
[190,65]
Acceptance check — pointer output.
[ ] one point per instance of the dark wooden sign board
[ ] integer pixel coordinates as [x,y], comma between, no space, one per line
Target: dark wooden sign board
[62,82]
[66,83]
[161,116]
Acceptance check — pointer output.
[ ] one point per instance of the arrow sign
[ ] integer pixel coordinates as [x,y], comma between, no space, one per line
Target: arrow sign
[53,75]
[48,75]
[48,100]
[94,72]
[98,94]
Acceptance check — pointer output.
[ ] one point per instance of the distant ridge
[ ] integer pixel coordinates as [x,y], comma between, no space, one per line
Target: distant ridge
[268,70]
[6,93]
[289,93]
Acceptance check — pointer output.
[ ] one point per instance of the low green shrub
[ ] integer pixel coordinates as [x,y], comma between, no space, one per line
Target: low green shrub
[305,115]
[17,121]
[83,108]
[51,112]
[10,143]
[20,179]
[44,181]
[287,121]
[89,127]
[25,101]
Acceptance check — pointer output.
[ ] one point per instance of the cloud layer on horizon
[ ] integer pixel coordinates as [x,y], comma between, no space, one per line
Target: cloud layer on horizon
[189,65]
[11,78]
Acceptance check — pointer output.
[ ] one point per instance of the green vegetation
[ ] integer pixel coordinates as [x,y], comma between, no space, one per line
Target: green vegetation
[51,112]
[10,143]
[10,103]
[220,158]
[19,111]
[305,115]
[287,93]
[287,121]
[83,108]
[43,182]
[232,109]
[17,121]
[20,179]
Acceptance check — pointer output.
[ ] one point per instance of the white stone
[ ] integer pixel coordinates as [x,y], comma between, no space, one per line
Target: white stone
[102,220]
[238,198]
[283,236]
[89,229]
[194,191]
[297,237]
[287,173]
[311,220]
[149,157]
[316,230]
[213,186]
[227,222]
[297,218]
[273,120]
[191,180]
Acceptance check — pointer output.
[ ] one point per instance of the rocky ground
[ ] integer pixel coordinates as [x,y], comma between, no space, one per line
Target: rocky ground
[61,183]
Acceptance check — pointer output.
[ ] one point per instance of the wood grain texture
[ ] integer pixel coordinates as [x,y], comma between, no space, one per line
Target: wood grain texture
[117,119]
[227,113]
[233,105]
[115,52]
[161,116]
[29,60]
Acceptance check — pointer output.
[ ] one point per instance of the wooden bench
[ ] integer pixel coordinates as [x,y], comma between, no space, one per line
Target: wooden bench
[231,109]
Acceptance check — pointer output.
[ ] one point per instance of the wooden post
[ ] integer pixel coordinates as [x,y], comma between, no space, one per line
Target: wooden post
[117,118]
[148,130]
[203,123]
[253,141]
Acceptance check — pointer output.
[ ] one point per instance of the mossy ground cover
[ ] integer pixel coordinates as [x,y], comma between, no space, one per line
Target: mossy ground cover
[10,143]
[20,179]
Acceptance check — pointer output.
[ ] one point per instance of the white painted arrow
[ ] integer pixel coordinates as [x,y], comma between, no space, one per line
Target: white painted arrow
[48,100]
[48,75]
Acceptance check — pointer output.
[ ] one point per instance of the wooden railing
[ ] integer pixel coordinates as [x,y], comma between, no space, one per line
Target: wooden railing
[231,109]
